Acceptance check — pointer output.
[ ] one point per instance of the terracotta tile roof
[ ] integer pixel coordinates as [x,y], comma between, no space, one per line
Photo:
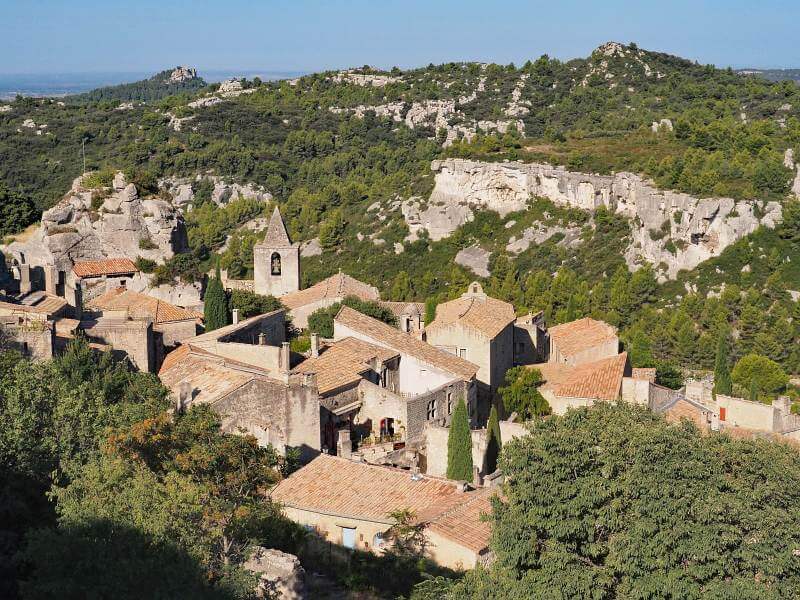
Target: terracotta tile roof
[482,313]
[141,305]
[576,336]
[277,236]
[333,288]
[343,363]
[598,380]
[211,377]
[24,308]
[108,266]
[339,487]
[464,523]
[404,343]
[403,308]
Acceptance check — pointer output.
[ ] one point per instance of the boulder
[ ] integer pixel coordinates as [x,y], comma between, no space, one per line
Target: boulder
[281,576]
[475,259]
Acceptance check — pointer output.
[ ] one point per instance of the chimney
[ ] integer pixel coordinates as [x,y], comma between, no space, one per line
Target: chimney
[235,316]
[184,396]
[51,280]
[283,361]
[314,345]
[25,279]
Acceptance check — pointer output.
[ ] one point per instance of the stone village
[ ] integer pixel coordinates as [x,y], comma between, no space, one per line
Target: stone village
[367,411]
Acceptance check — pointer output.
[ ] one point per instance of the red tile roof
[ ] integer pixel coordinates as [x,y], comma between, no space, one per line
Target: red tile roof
[142,305]
[597,380]
[576,336]
[489,316]
[404,343]
[339,487]
[108,266]
[334,288]
[343,363]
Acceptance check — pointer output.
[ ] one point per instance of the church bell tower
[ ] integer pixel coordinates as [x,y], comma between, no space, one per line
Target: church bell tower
[276,260]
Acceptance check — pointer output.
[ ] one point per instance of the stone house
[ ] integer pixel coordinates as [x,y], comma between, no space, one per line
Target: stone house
[531,343]
[479,329]
[172,323]
[92,278]
[243,372]
[410,315]
[348,504]
[581,341]
[363,400]
[325,293]
[430,379]
[30,328]
[567,386]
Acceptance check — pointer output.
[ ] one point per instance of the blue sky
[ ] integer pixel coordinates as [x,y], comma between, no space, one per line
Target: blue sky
[49,36]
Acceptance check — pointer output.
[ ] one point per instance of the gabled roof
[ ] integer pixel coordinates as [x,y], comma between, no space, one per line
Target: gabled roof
[108,266]
[211,377]
[333,288]
[141,305]
[393,338]
[576,336]
[38,303]
[343,363]
[403,308]
[597,380]
[277,236]
[487,315]
[339,487]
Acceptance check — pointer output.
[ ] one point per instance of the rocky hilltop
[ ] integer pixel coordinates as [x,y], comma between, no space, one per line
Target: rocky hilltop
[671,230]
[108,222]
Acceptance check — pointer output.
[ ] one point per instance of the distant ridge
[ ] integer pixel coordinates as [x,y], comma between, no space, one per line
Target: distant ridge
[163,84]
[773,74]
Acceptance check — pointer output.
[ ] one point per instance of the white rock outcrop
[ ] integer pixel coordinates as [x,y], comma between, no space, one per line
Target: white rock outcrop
[475,259]
[364,79]
[668,229]
[125,225]
[180,188]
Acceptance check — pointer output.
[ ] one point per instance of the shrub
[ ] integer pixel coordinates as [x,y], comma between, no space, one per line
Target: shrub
[145,265]
[768,375]
[147,244]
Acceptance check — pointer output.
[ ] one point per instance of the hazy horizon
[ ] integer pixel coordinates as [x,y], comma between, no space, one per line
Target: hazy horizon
[92,36]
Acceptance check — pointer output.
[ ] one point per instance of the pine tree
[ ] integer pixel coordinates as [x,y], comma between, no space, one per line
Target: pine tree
[459,445]
[494,443]
[215,310]
[754,390]
[401,287]
[722,373]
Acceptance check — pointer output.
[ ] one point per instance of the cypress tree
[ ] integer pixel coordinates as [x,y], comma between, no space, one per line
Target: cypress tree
[215,310]
[495,442]
[754,390]
[459,445]
[722,372]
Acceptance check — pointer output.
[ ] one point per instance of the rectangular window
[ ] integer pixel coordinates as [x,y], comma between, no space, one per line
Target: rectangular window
[449,403]
[348,537]
[431,410]
[462,352]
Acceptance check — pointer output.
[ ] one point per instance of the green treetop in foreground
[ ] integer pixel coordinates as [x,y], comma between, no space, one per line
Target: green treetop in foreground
[591,509]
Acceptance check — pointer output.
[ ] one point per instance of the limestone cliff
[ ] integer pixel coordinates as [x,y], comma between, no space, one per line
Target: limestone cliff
[92,224]
[671,230]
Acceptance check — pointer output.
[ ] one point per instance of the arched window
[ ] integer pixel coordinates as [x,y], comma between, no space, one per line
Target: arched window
[275,263]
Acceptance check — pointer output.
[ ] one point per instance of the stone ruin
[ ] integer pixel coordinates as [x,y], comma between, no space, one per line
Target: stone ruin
[281,576]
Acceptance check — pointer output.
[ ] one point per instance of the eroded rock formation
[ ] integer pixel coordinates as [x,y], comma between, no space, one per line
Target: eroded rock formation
[84,225]
[671,230]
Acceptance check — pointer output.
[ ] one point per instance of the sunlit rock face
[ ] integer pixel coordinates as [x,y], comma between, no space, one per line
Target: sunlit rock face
[670,230]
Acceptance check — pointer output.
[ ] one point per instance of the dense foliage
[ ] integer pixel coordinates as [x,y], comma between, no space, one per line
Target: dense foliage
[521,394]
[215,305]
[590,509]
[321,320]
[155,88]
[140,502]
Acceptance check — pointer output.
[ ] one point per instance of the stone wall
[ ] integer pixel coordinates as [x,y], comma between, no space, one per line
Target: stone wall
[176,331]
[605,349]
[698,228]
[274,413]
[33,339]
[131,339]
[444,399]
